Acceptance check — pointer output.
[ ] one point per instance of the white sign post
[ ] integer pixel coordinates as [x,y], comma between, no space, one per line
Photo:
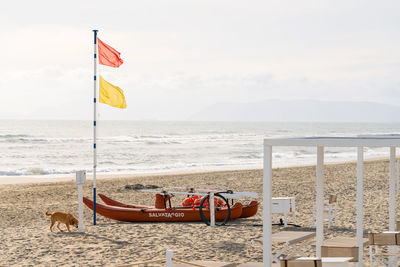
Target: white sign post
[398,176]
[80,181]
[169,254]
[212,211]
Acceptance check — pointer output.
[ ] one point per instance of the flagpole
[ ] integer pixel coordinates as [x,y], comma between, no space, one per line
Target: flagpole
[94,128]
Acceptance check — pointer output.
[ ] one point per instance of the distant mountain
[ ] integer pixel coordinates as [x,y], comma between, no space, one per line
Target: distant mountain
[300,110]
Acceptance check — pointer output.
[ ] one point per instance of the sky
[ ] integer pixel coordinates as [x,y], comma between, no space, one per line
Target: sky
[181,56]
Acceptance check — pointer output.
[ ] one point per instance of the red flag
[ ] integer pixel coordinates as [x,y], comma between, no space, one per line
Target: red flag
[108,55]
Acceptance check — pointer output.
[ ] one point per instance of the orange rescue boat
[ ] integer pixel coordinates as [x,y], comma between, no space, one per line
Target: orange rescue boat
[248,210]
[153,214]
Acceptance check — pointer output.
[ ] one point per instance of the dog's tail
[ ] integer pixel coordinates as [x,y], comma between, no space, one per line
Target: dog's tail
[48,214]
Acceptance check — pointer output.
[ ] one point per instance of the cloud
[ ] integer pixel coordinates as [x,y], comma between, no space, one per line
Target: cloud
[53,92]
[48,92]
[182,56]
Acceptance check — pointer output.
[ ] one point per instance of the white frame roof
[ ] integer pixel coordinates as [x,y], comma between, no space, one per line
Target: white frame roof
[367,141]
[391,141]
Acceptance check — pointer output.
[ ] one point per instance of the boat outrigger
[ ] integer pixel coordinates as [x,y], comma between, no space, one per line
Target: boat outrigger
[163,212]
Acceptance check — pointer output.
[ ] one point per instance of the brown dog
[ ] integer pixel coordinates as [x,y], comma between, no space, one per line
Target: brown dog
[62,217]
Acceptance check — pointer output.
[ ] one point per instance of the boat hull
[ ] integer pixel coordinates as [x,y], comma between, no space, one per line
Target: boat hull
[126,214]
[250,209]
[112,202]
[247,210]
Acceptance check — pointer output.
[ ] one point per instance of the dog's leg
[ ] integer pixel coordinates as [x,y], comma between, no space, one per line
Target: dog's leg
[51,226]
[68,227]
[58,226]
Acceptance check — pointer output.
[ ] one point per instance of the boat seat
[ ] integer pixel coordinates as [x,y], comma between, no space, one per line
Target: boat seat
[161,200]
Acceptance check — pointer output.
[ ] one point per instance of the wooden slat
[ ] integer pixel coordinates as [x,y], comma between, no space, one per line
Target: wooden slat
[206,264]
[342,247]
[340,252]
[344,242]
[384,239]
[301,263]
[291,236]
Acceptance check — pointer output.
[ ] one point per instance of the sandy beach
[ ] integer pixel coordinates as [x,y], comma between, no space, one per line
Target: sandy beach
[27,241]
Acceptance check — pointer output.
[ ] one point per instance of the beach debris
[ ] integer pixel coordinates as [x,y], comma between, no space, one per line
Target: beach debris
[140,186]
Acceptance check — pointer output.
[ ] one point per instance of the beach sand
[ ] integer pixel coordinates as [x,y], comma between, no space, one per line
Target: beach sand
[26,240]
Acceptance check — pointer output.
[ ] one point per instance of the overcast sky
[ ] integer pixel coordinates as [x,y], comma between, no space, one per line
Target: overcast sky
[182,56]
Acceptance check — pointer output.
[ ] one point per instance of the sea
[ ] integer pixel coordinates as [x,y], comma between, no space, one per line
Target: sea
[140,147]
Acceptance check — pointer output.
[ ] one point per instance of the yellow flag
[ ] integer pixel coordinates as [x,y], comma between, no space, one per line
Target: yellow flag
[111,94]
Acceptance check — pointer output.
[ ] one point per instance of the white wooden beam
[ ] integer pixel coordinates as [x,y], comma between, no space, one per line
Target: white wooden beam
[267,207]
[320,200]
[392,189]
[360,199]
[370,141]
[392,202]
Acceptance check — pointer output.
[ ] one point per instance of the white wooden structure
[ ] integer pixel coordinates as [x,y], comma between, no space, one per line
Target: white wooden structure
[381,240]
[284,205]
[330,211]
[80,181]
[390,141]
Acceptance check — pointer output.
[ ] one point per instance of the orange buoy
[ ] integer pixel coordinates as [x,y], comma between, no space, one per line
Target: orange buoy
[190,201]
[187,202]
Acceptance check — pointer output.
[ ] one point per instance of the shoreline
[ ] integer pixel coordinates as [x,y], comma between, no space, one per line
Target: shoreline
[49,178]
[55,178]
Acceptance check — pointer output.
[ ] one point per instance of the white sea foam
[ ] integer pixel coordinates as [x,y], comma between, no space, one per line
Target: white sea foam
[54,148]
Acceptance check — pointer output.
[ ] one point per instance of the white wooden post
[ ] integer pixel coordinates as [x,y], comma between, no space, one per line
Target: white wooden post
[320,200]
[392,192]
[360,198]
[80,181]
[293,205]
[81,228]
[169,254]
[392,202]
[212,211]
[267,227]
[398,176]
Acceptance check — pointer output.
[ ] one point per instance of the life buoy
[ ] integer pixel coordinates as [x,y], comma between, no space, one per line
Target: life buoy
[195,201]
[187,202]
[190,201]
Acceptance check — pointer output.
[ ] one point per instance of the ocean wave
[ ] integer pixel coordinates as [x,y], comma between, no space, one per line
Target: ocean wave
[162,142]
[153,136]
[107,162]
[7,136]
[138,139]
[10,173]
[34,140]
[249,156]
[332,152]
[31,171]
[304,152]
[28,139]
[50,148]
[118,139]
[36,171]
